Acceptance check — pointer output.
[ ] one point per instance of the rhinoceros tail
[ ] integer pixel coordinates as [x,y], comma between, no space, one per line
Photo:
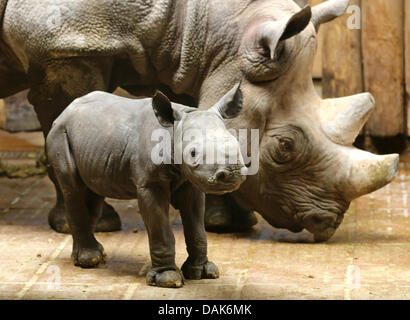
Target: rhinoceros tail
[59,154]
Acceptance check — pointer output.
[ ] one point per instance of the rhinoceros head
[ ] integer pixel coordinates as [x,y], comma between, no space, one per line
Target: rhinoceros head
[210,156]
[308,170]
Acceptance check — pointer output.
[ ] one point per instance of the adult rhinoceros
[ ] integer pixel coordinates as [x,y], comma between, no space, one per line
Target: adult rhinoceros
[195,51]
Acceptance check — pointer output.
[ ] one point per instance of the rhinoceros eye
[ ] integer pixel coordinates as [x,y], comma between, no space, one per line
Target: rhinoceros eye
[285,145]
[283,151]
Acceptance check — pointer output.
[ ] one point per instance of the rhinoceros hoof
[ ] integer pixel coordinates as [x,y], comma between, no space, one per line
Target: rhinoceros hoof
[109,221]
[322,237]
[165,277]
[57,220]
[89,257]
[228,219]
[206,271]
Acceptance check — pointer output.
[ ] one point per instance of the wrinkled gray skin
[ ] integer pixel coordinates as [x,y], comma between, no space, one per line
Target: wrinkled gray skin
[101,146]
[194,51]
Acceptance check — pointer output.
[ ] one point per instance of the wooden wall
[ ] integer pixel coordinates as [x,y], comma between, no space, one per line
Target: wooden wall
[407,60]
[17,114]
[374,58]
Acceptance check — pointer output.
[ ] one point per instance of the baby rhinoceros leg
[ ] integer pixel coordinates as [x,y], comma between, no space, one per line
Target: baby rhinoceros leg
[191,204]
[83,217]
[84,207]
[153,203]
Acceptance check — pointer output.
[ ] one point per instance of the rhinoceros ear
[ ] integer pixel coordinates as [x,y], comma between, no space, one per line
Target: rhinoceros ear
[302,3]
[270,33]
[163,109]
[230,105]
[327,11]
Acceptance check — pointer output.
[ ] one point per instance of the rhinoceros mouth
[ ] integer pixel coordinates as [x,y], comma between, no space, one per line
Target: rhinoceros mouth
[216,188]
[322,224]
[221,189]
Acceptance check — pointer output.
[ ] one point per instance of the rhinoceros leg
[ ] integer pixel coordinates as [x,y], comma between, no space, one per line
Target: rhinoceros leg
[12,77]
[153,203]
[54,88]
[224,214]
[83,206]
[191,204]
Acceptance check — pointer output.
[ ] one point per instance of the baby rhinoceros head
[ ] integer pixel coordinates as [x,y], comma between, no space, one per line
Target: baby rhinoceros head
[209,155]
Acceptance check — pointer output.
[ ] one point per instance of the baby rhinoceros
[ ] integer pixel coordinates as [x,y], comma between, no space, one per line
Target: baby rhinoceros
[102,145]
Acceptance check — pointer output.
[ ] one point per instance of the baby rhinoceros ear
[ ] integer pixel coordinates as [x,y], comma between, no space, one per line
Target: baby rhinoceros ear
[163,109]
[230,105]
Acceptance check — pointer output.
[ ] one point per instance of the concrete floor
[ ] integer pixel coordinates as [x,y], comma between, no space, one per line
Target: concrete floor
[368,258]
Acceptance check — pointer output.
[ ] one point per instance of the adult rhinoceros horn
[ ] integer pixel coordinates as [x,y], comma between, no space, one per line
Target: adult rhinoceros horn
[270,33]
[327,11]
[362,172]
[343,118]
[367,172]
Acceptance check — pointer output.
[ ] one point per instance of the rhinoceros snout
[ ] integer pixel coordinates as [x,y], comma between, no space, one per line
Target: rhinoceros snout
[227,179]
[222,176]
[229,175]
[322,224]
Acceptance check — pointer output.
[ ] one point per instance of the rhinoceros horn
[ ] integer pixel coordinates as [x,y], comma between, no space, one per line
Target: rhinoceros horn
[367,172]
[343,118]
[327,11]
[270,33]
[363,172]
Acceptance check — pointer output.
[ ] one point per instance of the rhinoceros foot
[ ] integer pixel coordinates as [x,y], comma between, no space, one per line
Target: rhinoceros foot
[166,277]
[206,271]
[223,214]
[109,221]
[324,236]
[89,257]
[57,219]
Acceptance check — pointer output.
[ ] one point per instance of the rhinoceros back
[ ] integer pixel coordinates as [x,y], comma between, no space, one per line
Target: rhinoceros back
[107,136]
[47,29]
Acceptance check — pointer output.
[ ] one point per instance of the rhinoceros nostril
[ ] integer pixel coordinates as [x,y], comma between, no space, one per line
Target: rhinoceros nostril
[222,175]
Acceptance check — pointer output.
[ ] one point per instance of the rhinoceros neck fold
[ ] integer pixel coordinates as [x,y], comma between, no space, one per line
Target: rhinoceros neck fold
[177,55]
[200,37]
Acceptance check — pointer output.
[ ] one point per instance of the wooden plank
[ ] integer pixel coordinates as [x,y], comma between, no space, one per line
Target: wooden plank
[18,114]
[407,60]
[342,58]
[2,114]
[383,63]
